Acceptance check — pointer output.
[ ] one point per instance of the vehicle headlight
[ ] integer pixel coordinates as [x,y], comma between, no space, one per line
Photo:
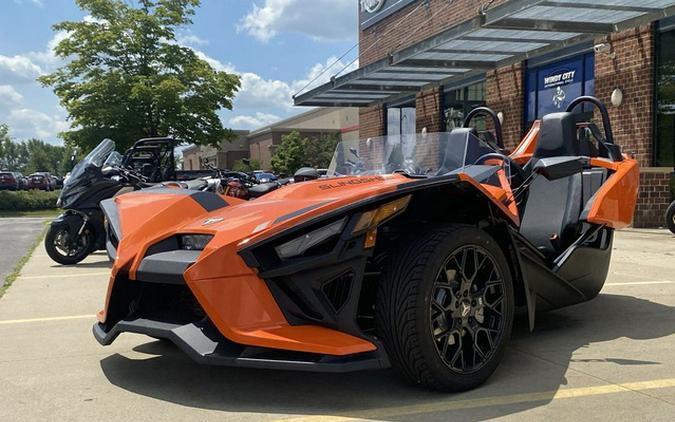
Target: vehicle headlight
[194,242]
[302,244]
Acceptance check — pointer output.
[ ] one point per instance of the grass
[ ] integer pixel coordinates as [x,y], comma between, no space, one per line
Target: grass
[11,277]
[39,213]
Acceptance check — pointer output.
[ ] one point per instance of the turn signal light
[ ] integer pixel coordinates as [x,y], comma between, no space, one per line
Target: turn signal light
[370,220]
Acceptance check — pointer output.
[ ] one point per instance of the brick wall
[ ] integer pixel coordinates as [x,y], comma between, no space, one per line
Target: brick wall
[428,110]
[632,70]
[504,92]
[653,199]
[372,122]
[423,23]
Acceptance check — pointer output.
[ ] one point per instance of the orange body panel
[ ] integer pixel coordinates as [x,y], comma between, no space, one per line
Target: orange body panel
[525,149]
[236,299]
[615,201]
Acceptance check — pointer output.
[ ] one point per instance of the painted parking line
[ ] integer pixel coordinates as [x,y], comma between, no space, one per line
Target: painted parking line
[640,283]
[47,319]
[444,406]
[37,277]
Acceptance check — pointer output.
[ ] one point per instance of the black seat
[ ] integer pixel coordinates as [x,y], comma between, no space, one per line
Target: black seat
[550,218]
[262,189]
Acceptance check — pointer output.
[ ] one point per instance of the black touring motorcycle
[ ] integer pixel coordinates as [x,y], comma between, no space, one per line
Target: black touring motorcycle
[79,230]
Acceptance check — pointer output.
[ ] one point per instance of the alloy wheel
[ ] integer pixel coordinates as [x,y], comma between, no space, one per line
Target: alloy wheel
[467,309]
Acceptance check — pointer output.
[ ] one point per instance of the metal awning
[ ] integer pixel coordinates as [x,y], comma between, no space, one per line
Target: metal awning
[506,34]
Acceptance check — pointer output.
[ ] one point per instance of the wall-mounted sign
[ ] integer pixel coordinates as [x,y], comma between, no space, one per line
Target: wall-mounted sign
[559,78]
[373,11]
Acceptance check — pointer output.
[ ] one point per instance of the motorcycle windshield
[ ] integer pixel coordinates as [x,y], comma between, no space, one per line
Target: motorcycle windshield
[418,154]
[96,157]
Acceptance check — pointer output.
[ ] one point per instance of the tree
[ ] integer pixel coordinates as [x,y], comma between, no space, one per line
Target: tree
[32,155]
[246,166]
[127,77]
[296,152]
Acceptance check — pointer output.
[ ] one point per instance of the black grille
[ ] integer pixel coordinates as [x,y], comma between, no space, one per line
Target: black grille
[337,290]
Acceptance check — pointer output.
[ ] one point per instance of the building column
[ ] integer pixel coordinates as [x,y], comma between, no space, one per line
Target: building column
[504,92]
[428,111]
[372,122]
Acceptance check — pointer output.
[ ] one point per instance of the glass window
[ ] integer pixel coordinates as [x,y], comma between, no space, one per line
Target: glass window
[401,120]
[665,100]
[459,102]
[551,88]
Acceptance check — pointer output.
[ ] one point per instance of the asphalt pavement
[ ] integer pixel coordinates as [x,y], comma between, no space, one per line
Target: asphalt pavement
[608,359]
[16,236]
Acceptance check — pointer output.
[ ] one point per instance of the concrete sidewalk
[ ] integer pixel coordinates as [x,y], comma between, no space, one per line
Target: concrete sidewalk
[611,358]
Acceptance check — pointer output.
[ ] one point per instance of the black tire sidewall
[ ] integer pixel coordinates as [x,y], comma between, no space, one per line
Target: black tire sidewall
[447,378]
[670,214]
[54,254]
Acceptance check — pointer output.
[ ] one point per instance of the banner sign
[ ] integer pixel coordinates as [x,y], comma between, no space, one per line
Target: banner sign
[373,11]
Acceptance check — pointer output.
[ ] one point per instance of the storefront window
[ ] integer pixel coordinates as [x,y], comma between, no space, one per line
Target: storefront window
[665,100]
[552,87]
[401,120]
[459,102]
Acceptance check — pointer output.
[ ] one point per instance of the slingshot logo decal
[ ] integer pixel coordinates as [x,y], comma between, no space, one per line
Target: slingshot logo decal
[371,6]
[210,221]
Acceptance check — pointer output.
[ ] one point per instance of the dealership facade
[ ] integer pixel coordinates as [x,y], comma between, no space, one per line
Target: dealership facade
[425,63]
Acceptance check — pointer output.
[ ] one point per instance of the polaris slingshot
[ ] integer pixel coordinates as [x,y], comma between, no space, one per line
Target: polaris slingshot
[414,253]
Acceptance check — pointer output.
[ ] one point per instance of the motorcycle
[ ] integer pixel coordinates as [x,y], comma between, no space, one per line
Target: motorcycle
[80,230]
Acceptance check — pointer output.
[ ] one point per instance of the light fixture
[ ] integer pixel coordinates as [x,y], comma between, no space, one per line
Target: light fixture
[617,97]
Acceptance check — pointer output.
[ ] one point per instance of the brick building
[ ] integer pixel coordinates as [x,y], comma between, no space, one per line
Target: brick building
[426,63]
[316,124]
[222,157]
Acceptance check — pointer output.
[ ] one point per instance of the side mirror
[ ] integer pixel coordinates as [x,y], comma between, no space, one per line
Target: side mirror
[558,167]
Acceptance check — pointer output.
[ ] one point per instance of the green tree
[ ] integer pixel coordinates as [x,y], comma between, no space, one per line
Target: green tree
[296,152]
[246,166]
[127,78]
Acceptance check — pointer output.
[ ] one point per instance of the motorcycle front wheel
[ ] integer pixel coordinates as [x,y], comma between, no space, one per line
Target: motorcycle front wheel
[64,250]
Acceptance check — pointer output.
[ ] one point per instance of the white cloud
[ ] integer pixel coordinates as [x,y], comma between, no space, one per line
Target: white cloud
[47,59]
[253,122]
[190,40]
[18,69]
[27,123]
[325,20]
[9,96]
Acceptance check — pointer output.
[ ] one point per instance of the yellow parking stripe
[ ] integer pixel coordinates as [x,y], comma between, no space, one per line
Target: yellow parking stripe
[640,283]
[61,318]
[444,406]
[37,277]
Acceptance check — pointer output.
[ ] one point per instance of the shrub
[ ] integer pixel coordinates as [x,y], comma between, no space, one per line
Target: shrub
[28,200]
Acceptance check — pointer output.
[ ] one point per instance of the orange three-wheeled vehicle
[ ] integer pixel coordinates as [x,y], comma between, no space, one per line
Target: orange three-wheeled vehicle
[415,252]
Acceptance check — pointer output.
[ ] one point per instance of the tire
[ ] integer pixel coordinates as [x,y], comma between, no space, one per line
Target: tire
[86,243]
[670,217]
[414,334]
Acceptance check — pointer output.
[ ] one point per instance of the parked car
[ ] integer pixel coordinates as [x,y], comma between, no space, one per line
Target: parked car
[23,181]
[40,180]
[264,176]
[9,181]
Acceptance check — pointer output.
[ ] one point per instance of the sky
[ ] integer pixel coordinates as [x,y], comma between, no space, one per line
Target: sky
[276,46]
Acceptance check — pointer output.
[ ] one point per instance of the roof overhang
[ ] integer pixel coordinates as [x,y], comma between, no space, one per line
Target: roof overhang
[503,35]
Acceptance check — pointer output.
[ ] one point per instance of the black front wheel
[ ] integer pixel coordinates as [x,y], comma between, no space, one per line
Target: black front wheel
[66,249]
[445,308]
[670,217]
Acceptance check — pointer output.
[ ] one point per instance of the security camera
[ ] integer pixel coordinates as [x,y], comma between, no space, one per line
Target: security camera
[605,49]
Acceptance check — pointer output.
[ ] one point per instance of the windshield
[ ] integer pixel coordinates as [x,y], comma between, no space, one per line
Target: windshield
[420,154]
[114,160]
[96,157]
